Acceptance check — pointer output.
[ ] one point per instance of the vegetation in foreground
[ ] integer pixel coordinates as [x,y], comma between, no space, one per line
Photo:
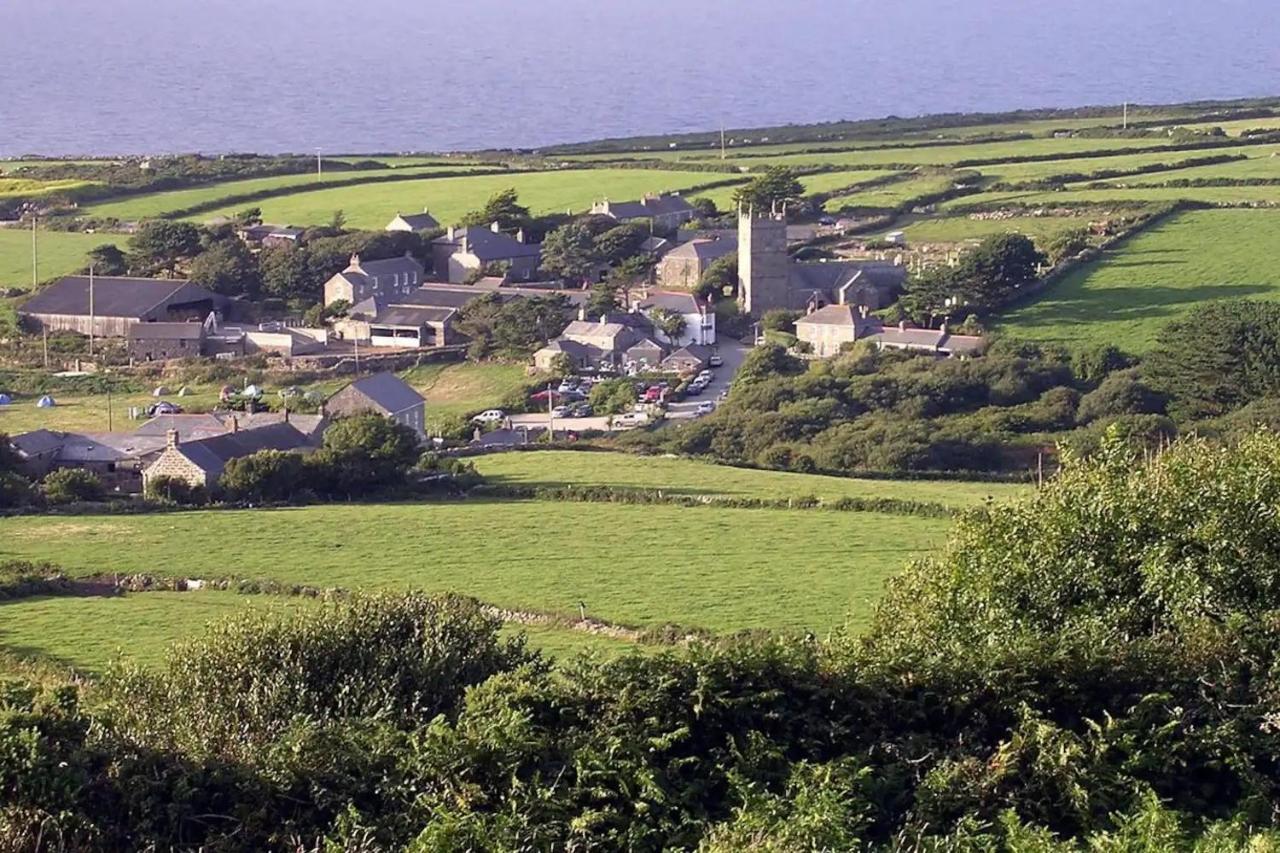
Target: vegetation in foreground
[1089,670]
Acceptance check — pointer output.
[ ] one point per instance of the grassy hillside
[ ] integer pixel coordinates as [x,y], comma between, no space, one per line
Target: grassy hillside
[371,206]
[1127,296]
[687,476]
[60,253]
[646,565]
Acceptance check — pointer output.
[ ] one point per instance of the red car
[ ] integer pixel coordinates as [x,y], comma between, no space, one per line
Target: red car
[653,394]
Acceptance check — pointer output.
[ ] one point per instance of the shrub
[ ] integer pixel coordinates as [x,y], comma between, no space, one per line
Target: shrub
[1120,393]
[266,476]
[70,485]
[613,396]
[175,490]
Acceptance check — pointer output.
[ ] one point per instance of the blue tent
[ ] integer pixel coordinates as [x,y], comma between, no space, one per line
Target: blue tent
[5,399]
[45,402]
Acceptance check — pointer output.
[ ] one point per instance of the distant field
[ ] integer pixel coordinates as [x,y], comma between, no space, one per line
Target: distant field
[1127,296]
[955,229]
[10,187]
[155,205]
[947,155]
[1266,165]
[1044,169]
[1122,196]
[372,205]
[894,194]
[645,565]
[821,182]
[60,253]
[687,476]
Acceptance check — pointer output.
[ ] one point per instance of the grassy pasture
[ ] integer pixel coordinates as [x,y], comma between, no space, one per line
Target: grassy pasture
[691,477]
[60,253]
[453,390]
[10,187]
[644,565]
[894,194]
[153,205]
[1122,196]
[1266,165]
[373,205]
[948,155]
[1044,169]
[818,183]
[957,229]
[1127,296]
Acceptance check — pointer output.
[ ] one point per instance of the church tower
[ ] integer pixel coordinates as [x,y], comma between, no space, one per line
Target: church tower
[764,269]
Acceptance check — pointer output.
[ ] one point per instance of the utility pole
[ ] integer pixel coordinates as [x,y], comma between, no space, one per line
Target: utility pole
[1125,124]
[319,166]
[91,321]
[551,418]
[109,424]
[35,254]
[722,154]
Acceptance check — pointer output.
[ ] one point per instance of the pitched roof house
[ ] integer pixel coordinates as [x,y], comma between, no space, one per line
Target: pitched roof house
[682,267]
[699,320]
[828,328]
[117,458]
[386,394]
[413,222]
[113,304]
[462,253]
[363,279]
[667,212]
[200,462]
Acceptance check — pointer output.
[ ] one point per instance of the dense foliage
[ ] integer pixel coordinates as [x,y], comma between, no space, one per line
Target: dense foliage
[512,328]
[1091,669]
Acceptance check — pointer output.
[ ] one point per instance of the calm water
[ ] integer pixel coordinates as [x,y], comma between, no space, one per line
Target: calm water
[146,76]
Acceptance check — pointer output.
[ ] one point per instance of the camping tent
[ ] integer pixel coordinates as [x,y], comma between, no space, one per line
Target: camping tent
[184,391]
[252,391]
[5,399]
[45,402]
[160,391]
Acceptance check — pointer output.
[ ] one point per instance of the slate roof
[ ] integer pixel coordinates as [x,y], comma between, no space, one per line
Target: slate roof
[37,442]
[840,315]
[164,331]
[108,447]
[389,392]
[418,221]
[934,339]
[672,300]
[115,296]
[489,245]
[389,266]
[399,315]
[212,454]
[705,250]
[829,275]
[207,425]
[649,206]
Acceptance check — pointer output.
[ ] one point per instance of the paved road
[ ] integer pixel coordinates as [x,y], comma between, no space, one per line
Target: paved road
[731,351]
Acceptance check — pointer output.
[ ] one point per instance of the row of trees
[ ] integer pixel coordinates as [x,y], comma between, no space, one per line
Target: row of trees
[1092,669]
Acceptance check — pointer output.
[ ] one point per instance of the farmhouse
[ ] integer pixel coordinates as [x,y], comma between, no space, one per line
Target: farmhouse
[113,305]
[200,462]
[682,267]
[939,342]
[829,328]
[699,321]
[666,212]
[363,279]
[207,425]
[462,253]
[386,394]
[414,223]
[117,458]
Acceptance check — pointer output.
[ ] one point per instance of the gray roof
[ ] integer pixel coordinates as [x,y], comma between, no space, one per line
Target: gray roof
[389,392]
[489,245]
[705,249]
[840,315]
[108,446]
[573,348]
[419,221]
[673,300]
[694,351]
[399,315]
[649,206]
[196,426]
[212,454]
[830,275]
[115,297]
[166,331]
[37,442]
[391,266]
[931,339]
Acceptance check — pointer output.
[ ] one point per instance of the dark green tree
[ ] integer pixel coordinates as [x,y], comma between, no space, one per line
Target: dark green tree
[570,252]
[159,245]
[69,485]
[227,267]
[777,185]
[503,208]
[107,259]
[267,476]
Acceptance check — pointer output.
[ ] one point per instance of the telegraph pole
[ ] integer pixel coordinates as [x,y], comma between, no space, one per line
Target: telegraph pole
[91,321]
[722,154]
[35,255]
[319,166]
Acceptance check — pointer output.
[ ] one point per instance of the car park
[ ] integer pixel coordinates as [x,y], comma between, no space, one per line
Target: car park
[489,416]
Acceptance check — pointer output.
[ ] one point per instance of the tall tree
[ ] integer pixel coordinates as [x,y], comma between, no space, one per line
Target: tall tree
[107,259]
[503,208]
[570,252]
[160,245]
[776,185]
[227,267]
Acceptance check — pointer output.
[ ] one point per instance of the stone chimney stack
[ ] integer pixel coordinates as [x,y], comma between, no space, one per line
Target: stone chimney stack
[171,438]
[355,261]
[494,227]
[451,232]
[520,235]
[604,320]
[582,312]
[862,311]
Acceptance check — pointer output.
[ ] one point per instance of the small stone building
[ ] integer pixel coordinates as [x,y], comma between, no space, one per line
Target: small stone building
[386,394]
[202,461]
[163,341]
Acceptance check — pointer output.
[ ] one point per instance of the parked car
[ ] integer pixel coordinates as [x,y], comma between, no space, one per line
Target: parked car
[630,419]
[706,407]
[716,360]
[560,412]
[581,410]
[164,407]
[706,376]
[489,416]
[694,389]
[652,394]
[723,395]
[567,385]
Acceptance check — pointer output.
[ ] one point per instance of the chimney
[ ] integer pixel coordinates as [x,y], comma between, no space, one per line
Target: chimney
[582,312]
[426,209]
[286,415]
[520,235]
[476,434]
[897,260]
[171,438]
[235,424]
[604,319]
[451,234]
[493,226]
[355,261]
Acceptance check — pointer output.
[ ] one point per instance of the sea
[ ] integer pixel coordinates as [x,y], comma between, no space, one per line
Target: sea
[119,77]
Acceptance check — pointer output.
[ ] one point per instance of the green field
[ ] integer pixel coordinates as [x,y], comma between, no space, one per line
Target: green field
[154,205]
[957,229]
[28,187]
[373,205]
[1045,169]
[644,565]
[453,390]
[1266,167]
[690,477]
[1122,196]
[60,253]
[1127,296]
[894,194]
